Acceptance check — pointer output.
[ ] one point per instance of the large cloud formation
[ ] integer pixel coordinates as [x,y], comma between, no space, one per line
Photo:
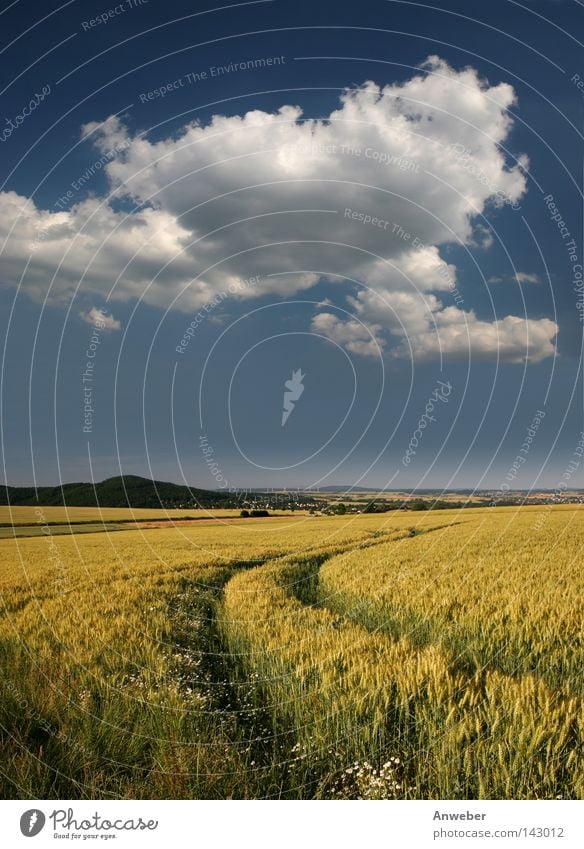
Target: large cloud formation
[364,198]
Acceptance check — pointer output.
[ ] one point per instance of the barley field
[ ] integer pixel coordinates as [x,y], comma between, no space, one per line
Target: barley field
[403,655]
[28,515]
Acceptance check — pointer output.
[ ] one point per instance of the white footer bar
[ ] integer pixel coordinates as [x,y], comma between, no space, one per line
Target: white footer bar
[275,824]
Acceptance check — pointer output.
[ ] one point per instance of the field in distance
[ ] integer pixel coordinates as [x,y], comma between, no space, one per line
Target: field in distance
[56,515]
[18,521]
[398,655]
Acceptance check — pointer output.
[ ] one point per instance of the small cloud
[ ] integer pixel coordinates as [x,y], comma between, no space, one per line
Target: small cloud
[353,335]
[524,277]
[99,318]
[482,237]
[520,277]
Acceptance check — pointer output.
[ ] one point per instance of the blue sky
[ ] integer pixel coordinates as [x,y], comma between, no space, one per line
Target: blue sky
[198,201]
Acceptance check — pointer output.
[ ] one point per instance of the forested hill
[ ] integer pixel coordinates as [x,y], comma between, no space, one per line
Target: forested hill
[124,491]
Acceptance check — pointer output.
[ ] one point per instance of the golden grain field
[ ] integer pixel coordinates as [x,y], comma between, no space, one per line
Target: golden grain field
[403,655]
[28,515]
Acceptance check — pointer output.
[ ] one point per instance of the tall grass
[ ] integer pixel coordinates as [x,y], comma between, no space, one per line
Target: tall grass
[380,656]
[351,693]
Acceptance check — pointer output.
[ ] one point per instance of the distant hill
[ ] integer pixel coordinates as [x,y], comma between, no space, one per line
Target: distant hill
[417,491]
[348,488]
[123,491]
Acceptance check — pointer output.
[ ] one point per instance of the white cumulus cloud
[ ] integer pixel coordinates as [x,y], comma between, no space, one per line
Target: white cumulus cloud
[99,318]
[367,197]
[351,334]
[525,277]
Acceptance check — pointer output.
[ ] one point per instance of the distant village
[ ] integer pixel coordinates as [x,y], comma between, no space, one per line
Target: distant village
[342,503]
